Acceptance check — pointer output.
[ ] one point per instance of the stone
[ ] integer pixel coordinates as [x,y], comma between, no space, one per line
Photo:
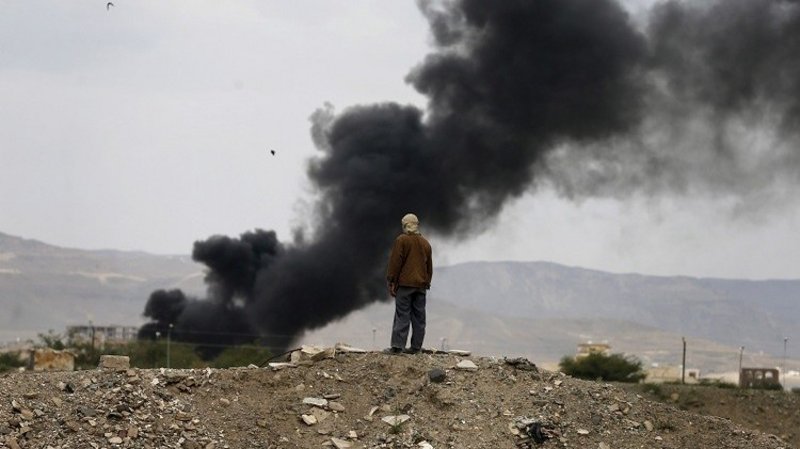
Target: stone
[114,362]
[437,375]
[459,352]
[345,348]
[336,406]
[309,419]
[341,444]
[583,432]
[467,365]
[319,402]
[648,425]
[115,440]
[12,443]
[395,420]
[320,414]
[224,401]
[603,446]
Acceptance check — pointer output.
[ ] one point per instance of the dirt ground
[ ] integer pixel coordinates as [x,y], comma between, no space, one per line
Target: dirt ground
[368,400]
[775,412]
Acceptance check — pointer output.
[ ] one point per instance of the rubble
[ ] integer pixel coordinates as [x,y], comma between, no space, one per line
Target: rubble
[352,399]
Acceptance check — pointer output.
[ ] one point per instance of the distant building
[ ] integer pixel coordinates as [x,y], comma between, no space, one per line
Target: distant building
[758,377]
[587,348]
[101,335]
[661,374]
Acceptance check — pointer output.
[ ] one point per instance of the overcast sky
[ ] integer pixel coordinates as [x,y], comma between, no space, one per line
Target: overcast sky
[148,126]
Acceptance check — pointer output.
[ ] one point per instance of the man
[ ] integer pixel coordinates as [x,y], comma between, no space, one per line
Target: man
[409,275]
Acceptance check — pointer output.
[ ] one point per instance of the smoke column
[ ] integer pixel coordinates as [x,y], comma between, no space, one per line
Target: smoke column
[568,93]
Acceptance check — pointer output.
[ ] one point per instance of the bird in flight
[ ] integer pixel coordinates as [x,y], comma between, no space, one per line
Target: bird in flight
[272,152]
[109,5]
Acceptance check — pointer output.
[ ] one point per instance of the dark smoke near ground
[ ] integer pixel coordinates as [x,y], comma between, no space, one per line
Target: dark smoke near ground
[522,94]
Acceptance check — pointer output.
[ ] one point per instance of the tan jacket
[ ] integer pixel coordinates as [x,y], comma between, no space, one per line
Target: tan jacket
[410,264]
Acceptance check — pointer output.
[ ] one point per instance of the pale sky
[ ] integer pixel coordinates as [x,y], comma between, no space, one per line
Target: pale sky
[148,126]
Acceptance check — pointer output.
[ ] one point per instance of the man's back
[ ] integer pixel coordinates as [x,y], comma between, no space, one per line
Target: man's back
[411,262]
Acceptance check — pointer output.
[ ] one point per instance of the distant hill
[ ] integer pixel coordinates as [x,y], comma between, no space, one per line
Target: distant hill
[754,314]
[538,309]
[47,287]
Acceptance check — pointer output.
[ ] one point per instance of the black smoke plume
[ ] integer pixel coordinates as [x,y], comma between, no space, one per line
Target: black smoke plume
[567,93]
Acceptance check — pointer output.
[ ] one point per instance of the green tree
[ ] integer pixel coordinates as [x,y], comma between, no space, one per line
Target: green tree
[241,356]
[614,367]
[51,340]
[10,361]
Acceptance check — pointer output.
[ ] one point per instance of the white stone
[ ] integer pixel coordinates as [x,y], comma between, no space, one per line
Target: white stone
[319,402]
[467,365]
[309,419]
[395,420]
[340,444]
[460,352]
[425,445]
[344,347]
[583,432]
[648,425]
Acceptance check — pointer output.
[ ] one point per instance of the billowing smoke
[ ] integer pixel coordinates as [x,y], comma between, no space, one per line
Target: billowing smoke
[567,93]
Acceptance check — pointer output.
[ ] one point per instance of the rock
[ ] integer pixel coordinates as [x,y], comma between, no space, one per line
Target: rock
[276,366]
[308,353]
[425,445]
[12,443]
[613,408]
[467,365]
[340,444]
[114,362]
[309,419]
[319,402]
[648,425]
[437,375]
[320,414]
[397,420]
[603,446]
[345,348]
[224,401]
[459,352]
[331,396]
[583,432]
[336,406]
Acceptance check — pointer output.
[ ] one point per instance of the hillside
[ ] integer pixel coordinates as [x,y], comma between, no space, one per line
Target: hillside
[354,401]
[754,314]
[47,287]
[534,309]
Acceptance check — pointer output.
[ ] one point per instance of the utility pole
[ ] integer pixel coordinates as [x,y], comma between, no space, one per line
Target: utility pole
[169,337]
[683,362]
[373,338]
[91,325]
[785,339]
[741,352]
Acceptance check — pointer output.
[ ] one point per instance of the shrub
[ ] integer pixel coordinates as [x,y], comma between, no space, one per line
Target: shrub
[241,356]
[10,361]
[614,367]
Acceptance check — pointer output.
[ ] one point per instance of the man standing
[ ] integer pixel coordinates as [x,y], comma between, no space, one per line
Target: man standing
[409,275]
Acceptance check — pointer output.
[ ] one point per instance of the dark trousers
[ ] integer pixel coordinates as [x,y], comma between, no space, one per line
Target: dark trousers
[409,309]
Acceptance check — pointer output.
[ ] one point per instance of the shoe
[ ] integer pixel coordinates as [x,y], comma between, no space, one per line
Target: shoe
[392,350]
[411,351]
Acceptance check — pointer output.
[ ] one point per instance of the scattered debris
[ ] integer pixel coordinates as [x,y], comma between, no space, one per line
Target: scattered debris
[339,402]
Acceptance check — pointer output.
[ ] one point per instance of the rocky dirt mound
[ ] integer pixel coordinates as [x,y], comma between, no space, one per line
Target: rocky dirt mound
[367,400]
[776,412]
